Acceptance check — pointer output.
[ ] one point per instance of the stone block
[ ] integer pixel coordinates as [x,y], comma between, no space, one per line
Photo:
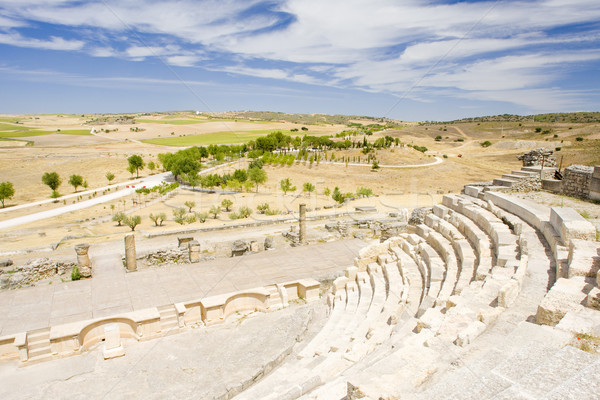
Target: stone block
[566,295]
[552,185]
[583,258]
[182,241]
[431,319]
[194,251]
[6,262]
[508,293]
[112,342]
[309,289]
[473,191]
[239,248]
[489,315]
[469,334]
[351,273]
[570,225]
[586,320]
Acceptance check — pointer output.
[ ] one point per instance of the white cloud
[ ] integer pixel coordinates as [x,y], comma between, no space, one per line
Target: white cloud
[183,61]
[54,43]
[375,45]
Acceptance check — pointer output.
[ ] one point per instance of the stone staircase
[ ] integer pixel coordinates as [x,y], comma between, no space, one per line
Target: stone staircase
[38,346]
[510,181]
[168,319]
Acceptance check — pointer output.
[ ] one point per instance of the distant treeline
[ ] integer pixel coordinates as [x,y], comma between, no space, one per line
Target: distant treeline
[575,117]
[308,119]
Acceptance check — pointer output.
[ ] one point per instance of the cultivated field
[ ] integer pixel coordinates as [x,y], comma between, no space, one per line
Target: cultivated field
[45,143]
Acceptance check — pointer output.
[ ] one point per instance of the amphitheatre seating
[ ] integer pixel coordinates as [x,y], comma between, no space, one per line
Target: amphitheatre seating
[459,272]
[572,241]
[415,311]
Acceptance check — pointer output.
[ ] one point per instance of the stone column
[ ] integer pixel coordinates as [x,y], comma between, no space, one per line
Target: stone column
[194,251]
[302,233]
[130,259]
[83,260]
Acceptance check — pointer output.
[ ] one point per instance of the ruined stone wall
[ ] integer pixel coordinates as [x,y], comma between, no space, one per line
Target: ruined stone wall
[536,156]
[577,180]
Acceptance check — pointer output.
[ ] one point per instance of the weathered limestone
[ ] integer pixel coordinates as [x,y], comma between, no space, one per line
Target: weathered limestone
[566,295]
[269,243]
[130,256]
[584,258]
[570,225]
[302,233]
[239,248]
[112,342]
[194,251]
[182,241]
[83,260]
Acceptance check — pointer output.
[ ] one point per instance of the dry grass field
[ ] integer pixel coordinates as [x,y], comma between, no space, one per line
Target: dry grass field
[405,179]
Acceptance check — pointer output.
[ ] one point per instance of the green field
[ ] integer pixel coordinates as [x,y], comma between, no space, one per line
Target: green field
[11,127]
[74,132]
[27,133]
[12,120]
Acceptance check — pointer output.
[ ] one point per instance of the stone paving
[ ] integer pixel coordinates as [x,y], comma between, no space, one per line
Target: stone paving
[113,291]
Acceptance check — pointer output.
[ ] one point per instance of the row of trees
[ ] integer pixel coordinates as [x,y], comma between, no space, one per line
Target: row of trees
[53,181]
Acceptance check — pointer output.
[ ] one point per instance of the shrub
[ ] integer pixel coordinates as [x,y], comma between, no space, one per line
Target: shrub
[361,191]
[337,195]
[438,138]
[190,205]
[286,186]
[227,204]
[422,149]
[190,219]
[158,218]
[179,215]
[244,212]
[119,218]
[557,148]
[201,216]
[538,130]
[214,210]
[579,139]
[487,143]
[308,187]
[263,208]
[132,221]
[75,275]
[445,156]
[375,165]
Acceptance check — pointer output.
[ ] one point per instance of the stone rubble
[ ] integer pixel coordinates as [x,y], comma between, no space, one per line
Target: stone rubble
[535,157]
[12,277]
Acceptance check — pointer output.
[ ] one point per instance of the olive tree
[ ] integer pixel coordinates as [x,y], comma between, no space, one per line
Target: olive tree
[7,191]
[53,181]
[76,181]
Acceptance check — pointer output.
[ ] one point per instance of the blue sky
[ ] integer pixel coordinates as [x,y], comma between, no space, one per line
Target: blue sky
[402,59]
